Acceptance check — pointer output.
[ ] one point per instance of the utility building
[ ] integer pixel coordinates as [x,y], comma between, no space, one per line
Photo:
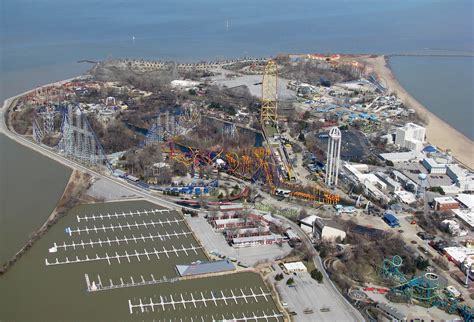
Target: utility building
[334,156]
[410,136]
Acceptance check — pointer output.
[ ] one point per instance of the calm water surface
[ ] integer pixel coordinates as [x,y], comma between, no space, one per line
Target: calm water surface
[30,186]
[444,85]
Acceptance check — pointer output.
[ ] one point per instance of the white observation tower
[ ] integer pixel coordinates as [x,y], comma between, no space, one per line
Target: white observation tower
[334,153]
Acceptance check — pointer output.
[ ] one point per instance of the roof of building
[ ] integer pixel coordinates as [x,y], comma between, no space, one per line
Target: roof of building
[250,239]
[367,231]
[291,234]
[466,200]
[459,254]
[231,207]
[205,268]
[457,171]
[399,156]
[391,311]
[411,125]
[406,197]
[432,163]
[445,200]
[391,218]
[295,266]
[308,221]
[229,221]
[321,223]
[429,149]
[466,215]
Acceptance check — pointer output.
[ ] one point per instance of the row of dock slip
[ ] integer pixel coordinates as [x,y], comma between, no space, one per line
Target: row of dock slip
[137,255]
[98,286]
[125,214]
[193,299]
[268,316]
[118,241]
[145,224]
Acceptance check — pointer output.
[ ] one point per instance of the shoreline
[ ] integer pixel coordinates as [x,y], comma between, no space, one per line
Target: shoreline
[438,132]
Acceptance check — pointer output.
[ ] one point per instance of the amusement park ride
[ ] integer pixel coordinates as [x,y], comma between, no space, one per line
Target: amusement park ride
[256,164]
[78,141]
[427,289]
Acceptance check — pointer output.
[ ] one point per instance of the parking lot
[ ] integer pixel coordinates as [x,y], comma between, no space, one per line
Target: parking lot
[214,241]
[307,295]
[413,169]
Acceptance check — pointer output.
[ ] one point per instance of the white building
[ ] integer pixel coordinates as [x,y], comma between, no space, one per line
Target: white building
[252,241]
[467,201]
[372,184]
[466,214]
[184,83]
[328,230]
[295,267]
[405,197]
[400,156]
[392,185]
[307,224]
[461,177]
[410,136]
[453,227]
[434,167]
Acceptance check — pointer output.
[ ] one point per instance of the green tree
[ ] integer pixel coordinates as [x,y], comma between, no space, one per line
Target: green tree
[421,263]
[290,281]
[317,275]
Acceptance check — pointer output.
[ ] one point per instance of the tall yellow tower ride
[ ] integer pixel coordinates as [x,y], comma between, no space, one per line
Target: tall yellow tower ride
[268,115]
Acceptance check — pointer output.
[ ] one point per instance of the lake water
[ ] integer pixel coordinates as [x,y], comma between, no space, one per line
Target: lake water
[41,41]
[444,85]
[30,186]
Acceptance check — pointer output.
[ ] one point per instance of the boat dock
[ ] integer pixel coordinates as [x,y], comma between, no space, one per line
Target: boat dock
[137,213]
[118,241]
[121,227]
[95,287]
[136,254]
[200,298]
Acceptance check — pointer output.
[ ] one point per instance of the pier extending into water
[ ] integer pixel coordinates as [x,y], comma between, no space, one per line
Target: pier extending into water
[137,213]
[95,287]
[146,224]
[118,241]
[200,298]
[126,255]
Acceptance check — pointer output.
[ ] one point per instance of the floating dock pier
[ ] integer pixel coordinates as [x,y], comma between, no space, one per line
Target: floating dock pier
[109,216]
[118,257]
[200,298]
[70,231]
[118,241]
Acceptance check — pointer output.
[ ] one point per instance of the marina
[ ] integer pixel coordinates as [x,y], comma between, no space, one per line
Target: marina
[98,289]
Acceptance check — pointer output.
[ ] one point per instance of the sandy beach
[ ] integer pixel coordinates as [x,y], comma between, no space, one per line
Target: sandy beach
[438,132]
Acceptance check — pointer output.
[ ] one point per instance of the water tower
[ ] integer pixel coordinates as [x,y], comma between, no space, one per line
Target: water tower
[423,178]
